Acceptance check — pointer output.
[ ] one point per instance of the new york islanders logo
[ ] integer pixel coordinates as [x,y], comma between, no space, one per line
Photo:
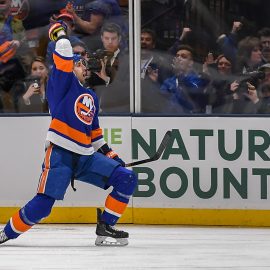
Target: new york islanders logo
[20,8]
[85,109]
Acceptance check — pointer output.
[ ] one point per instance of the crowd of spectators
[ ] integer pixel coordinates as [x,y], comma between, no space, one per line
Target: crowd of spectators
[232,79]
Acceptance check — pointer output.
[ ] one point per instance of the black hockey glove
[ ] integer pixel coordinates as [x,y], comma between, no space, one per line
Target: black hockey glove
[119,160]
[107,151]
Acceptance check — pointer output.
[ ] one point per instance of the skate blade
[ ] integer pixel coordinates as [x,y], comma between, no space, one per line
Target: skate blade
[109,241]
[2,242]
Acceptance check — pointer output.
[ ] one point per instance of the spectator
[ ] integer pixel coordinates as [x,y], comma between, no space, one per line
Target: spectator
[29,95]
[220,66]
[12,32]
[181,40]
[186,87]
[116,16]
[11,37]
[96,13]
[153,72]
[87,27]
[245,98]
[246,91]
[153,63]
[110,53]
[232,94]
[81,7]
[249,56]
[148,43]
[78,6]
[220,94]
[228,43]
[264,36]
[113,77]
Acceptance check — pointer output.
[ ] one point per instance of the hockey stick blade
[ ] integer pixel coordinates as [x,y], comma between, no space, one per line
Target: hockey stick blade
[163,145]
[157,155]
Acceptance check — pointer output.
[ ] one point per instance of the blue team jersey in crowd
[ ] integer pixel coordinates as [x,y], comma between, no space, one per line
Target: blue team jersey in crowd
[74,108]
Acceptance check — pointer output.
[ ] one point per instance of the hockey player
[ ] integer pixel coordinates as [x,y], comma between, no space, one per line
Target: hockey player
[75,150]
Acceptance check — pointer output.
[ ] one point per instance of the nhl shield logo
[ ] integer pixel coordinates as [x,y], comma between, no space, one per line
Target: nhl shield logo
[84,108]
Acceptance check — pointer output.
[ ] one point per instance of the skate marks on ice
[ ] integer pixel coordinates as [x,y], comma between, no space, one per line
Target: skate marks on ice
[150,247]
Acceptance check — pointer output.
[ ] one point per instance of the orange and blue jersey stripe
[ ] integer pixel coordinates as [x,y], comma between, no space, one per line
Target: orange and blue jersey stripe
[63,64]
[6,51]
[69,132]
[45,173]
[96,134]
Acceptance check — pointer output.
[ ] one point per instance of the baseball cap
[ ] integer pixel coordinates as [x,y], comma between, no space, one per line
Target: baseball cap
[64,15]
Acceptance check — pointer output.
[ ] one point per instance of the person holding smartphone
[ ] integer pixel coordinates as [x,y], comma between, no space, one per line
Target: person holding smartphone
[28,96]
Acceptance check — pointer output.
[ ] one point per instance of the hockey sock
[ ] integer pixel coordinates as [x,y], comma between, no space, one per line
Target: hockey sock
[124,182]
[35,210]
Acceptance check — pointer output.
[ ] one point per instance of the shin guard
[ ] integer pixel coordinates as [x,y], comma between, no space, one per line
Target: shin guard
[35,210]
[124,182]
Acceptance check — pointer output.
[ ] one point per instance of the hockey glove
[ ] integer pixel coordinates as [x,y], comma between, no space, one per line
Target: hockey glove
[107,151]
[119,160]
[56,28]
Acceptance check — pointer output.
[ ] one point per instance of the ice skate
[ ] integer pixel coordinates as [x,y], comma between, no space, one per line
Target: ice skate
[107,235]
[3,237]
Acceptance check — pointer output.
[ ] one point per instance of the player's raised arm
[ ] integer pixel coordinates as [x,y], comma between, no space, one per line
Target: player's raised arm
[62,71]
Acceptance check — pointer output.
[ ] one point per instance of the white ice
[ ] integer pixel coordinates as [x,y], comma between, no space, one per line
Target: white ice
[150,247]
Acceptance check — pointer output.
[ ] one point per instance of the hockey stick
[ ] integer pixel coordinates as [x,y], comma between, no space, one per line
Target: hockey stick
[157,155]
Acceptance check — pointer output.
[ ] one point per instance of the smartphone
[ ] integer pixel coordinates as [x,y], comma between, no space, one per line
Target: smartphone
[36,84]
[33,80]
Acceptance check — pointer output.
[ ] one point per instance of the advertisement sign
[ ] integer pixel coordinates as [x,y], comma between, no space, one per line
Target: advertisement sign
[213,171]
[209,163]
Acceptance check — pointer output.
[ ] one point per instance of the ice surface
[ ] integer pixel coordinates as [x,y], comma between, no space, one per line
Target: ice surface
[150,247]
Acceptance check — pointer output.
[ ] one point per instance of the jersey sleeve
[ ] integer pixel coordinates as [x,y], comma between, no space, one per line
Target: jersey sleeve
[61,74]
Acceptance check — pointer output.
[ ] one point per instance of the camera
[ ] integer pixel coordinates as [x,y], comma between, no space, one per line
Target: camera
[94,61]
[253,78]
[153,66]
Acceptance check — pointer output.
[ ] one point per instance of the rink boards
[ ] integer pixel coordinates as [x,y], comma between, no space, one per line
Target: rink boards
[161,216]
[215,170]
